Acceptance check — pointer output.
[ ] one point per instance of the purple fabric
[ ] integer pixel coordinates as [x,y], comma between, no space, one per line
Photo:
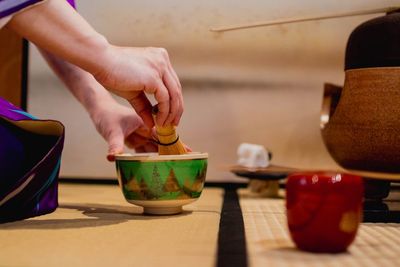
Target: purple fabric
[29,163]
[72,3]
[11,157]
[9,7]
[7,110]
[33,192]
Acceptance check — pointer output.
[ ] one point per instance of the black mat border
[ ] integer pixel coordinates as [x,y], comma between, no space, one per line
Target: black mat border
[232,250]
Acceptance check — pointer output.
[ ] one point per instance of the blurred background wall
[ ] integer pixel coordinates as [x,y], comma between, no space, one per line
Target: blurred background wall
[260,85]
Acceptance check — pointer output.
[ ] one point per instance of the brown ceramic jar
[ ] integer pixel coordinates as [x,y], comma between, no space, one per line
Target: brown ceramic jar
[361,122]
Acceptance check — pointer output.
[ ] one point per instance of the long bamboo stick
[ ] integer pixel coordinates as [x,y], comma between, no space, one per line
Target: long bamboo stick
[302,19]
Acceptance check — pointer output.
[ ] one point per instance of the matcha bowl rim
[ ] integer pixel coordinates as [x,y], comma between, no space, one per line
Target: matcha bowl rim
[156,157]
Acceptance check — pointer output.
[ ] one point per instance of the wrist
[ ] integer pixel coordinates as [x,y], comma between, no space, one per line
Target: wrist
[106,60]
[95,98]
[97,50]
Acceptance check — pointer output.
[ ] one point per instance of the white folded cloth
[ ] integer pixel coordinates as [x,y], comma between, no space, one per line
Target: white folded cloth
[252,156]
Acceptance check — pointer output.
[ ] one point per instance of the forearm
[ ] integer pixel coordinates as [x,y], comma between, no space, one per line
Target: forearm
[56,27]
[128,72]
[79,82]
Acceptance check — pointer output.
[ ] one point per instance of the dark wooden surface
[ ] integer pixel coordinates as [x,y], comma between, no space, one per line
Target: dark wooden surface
[12,71]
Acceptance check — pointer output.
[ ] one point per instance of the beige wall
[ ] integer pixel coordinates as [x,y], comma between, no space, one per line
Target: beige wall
[261,85]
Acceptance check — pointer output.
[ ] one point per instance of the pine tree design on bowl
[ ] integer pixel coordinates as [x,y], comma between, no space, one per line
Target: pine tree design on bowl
[161,184]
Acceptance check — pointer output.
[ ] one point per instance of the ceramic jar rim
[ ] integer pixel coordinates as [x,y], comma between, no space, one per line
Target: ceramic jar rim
[373,68]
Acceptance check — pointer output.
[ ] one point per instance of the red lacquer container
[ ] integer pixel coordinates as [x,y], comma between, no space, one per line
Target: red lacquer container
[324,210]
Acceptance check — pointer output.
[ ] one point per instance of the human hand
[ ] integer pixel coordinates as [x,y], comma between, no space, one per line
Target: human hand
[118,124]
[126,71]
[131,72]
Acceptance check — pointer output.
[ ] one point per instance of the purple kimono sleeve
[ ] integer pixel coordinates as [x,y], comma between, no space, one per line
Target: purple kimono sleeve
[29,164]
[72,3]
[9,7]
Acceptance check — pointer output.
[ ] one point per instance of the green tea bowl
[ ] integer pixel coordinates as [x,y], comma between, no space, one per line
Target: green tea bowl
[161,184]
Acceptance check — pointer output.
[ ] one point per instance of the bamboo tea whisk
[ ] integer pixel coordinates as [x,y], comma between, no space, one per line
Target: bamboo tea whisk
[168,139]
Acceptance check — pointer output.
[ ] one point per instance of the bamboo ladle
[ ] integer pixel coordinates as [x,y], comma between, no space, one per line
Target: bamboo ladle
[302,19]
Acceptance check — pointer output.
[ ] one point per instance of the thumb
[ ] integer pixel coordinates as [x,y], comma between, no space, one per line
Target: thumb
[115,144]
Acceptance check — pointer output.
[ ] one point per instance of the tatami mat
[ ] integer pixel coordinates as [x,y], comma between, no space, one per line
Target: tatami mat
[94,226]
[269,244]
